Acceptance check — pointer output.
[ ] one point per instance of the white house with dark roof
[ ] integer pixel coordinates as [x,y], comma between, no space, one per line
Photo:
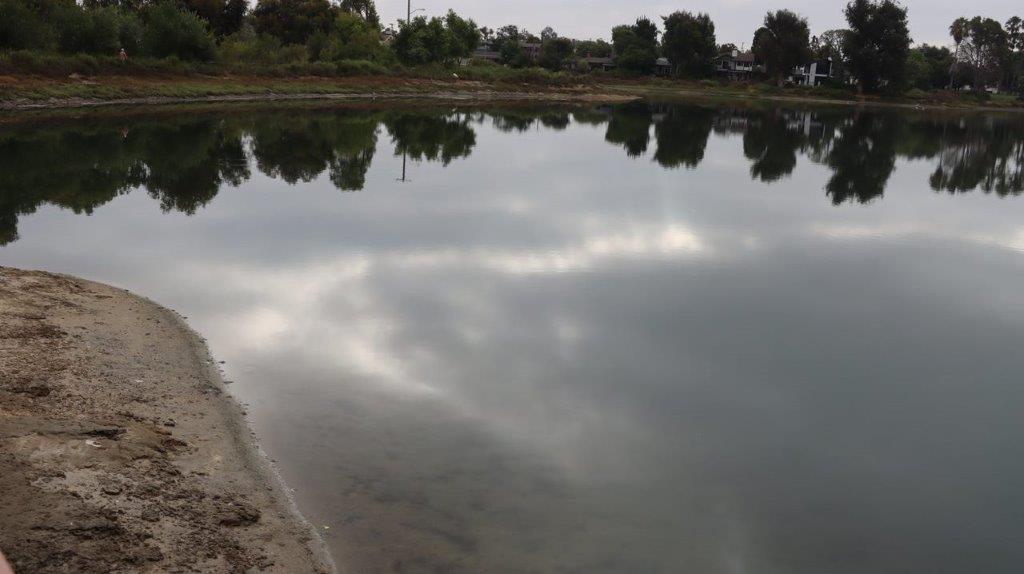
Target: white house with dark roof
[736,65]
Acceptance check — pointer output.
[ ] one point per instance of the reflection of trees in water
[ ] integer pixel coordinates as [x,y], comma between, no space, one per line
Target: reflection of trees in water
[522,119]
[630,127]
[682,135]
[78,170]
[770,142]
[862,156]
[431,137]
[186,164]
[981,153]
[971,153]
[184,161]
[301,147]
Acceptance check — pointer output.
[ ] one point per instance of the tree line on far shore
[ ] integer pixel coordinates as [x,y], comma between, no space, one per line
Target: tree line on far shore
[874,51]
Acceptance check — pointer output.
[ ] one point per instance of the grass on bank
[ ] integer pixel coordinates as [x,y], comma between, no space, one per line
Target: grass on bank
[34,77]
[941,98]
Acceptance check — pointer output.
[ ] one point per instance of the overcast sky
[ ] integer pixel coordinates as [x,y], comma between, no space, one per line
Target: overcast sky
[735,20]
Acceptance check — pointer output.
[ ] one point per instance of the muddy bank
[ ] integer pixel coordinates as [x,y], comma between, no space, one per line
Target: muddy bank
[119,449]
[463,97]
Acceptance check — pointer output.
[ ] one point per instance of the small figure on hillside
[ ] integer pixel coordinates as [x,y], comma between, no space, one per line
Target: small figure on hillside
[122,55]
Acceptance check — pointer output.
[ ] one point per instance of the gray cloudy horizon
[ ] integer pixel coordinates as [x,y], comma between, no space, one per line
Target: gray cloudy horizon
[735,20]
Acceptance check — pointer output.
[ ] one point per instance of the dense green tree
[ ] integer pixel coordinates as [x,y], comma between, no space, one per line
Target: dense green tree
[928,67]
[22,28]
[293,21]
[350,38]
[983,49]
[95,31]
[513,54]
[223,17]
[1015,33]
[554,52]
[878,43]
[436,40]
[505,34]
[365,9]
[636,46]
[782,43]
[464,35]
[689,43]
[1015,36]
[592,48]
[172,31]
[421,41]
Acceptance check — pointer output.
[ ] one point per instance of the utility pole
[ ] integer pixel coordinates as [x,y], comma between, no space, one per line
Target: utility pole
[403,179]
[408,12]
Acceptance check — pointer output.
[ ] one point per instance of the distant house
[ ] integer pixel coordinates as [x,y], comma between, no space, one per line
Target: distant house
[736,65]
[593,63]
[813,74]
[663,67]
[489,55]
[531,49]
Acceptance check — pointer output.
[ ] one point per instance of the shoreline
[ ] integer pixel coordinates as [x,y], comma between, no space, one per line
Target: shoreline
[120,448]
[454,96]
[27,93]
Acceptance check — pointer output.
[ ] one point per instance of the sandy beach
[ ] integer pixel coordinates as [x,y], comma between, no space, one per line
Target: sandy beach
[120,450]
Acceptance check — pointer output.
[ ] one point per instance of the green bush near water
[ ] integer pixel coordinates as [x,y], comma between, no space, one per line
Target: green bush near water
[170,31]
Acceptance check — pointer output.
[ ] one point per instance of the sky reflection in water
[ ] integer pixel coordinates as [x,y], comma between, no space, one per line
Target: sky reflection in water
[643,338]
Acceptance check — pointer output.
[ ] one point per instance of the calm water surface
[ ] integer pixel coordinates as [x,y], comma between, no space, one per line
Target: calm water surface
[643,338]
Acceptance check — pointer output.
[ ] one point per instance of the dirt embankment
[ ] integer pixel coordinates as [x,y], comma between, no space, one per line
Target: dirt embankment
[28,93]
[120,451]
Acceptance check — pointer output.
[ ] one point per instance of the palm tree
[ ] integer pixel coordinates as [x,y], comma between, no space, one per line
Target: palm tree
[958,30]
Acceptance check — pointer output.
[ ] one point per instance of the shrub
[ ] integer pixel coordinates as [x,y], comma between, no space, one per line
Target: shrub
[316,45]
[247,47]
[94,31]
[360,68]
[352,38]
[170,31]
[130,32]
[482,63]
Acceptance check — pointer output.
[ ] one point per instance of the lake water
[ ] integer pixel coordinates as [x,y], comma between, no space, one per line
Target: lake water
[692,337]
